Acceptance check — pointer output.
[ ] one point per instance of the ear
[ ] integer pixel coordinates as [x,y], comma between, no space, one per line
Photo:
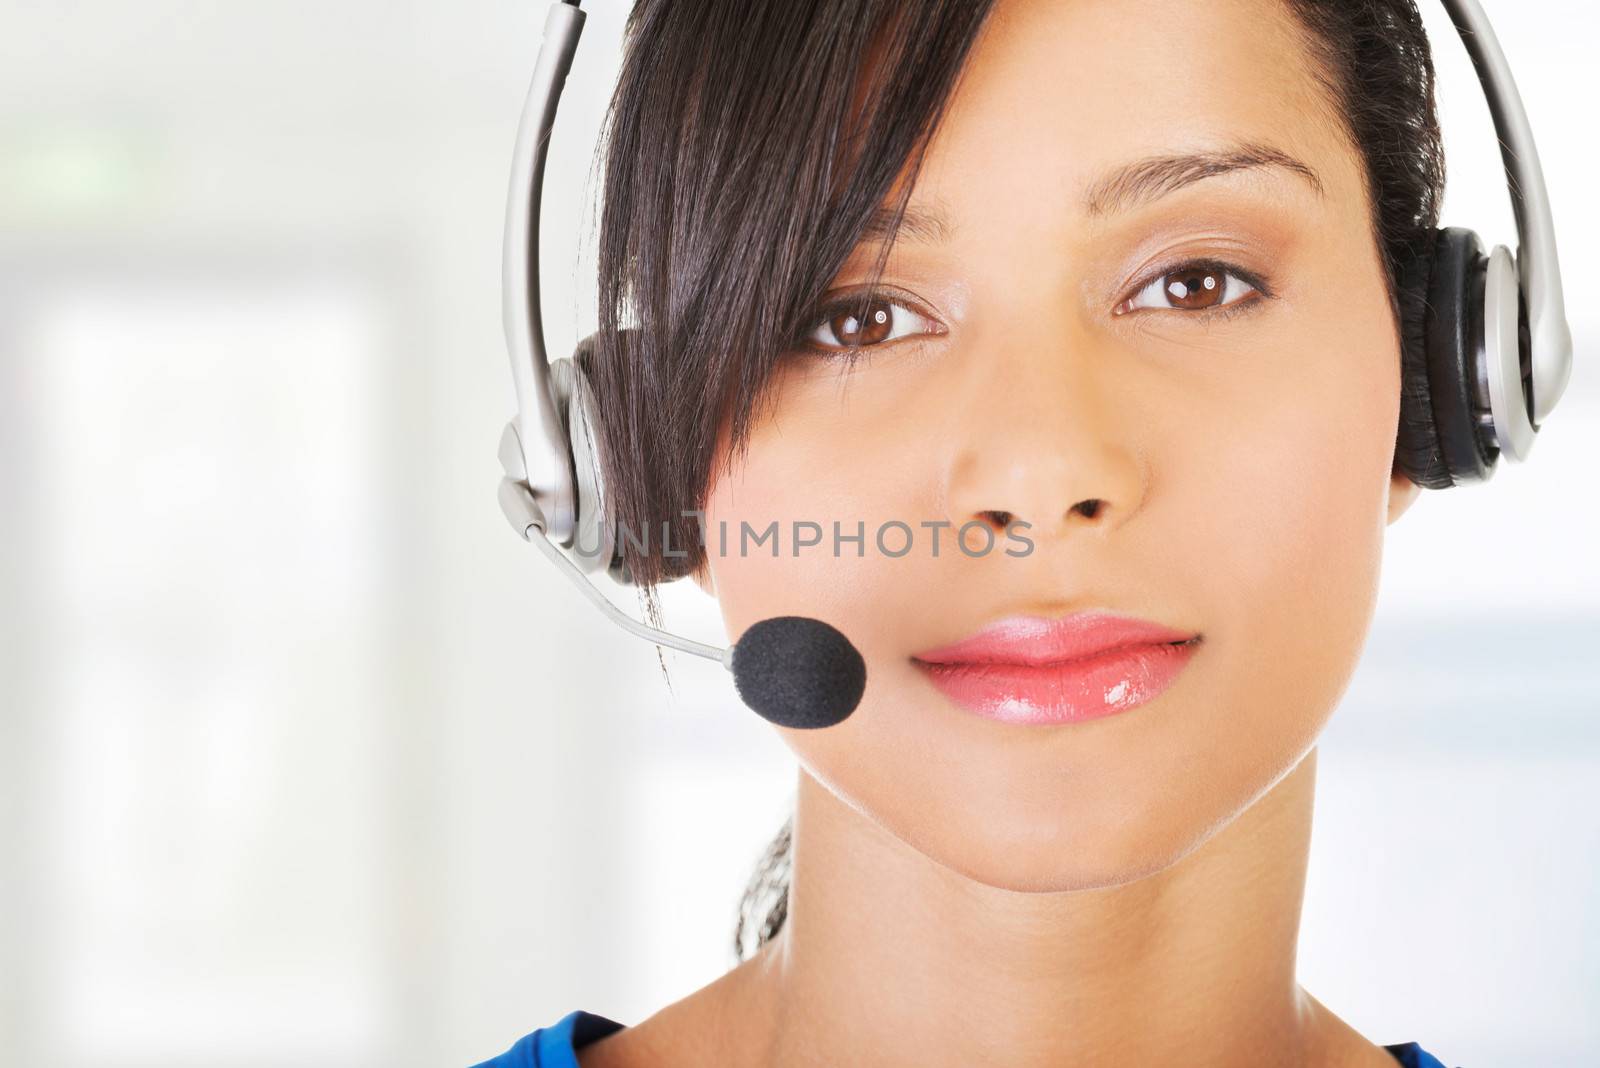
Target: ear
[1402,491]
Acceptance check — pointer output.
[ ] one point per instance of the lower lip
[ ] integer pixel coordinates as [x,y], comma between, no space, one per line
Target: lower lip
[1067,691]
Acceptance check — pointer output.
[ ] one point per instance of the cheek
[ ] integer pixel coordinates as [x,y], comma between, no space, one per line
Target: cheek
[1303,480]
[1283,511]
[752,516]
[794,471]
[841,478]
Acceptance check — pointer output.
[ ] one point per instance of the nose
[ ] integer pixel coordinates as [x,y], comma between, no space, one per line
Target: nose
[1041,434]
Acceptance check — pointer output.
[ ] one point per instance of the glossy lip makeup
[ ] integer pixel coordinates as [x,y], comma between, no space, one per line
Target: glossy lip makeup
[1035,669]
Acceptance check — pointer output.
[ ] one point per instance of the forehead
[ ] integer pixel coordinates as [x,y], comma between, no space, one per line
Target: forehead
[1056,94]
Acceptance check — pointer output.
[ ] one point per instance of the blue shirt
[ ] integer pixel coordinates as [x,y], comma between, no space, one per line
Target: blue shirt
[556,1046]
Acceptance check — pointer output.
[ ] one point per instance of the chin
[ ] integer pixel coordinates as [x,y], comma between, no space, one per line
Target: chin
[1106,846]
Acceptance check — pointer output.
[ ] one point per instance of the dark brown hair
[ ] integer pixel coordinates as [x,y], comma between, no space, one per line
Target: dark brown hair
[745,147]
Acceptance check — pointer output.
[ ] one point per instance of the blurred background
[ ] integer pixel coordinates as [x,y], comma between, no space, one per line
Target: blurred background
[307,760]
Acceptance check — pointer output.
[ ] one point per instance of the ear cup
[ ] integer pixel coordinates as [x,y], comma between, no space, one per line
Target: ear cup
[594,544]
[1441,289]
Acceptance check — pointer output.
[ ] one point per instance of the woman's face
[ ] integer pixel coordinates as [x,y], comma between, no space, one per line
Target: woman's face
[1242,461]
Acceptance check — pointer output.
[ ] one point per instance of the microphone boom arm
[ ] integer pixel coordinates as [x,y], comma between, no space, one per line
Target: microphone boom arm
[525,516]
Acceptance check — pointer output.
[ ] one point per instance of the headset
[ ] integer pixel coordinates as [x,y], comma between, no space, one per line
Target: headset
[1486,355]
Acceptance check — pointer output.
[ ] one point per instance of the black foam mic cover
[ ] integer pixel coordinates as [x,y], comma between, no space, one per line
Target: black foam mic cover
[798,672]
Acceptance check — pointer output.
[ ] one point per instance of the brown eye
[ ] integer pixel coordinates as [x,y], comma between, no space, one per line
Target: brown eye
[1195,287]
[871,328]
[851,322]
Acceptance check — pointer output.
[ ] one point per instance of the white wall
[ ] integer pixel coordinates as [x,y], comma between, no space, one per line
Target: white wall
[308,760]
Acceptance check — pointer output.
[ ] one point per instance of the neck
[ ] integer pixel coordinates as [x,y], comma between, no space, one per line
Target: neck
[887,957]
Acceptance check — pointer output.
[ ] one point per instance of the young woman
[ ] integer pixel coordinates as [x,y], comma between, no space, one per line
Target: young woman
[1124,276]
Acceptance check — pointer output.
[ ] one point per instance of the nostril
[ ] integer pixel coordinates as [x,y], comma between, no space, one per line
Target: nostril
[1089,508]
[998,518]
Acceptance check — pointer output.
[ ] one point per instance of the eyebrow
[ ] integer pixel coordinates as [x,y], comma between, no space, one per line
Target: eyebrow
[930,226]
[1144,180]
[1120,189]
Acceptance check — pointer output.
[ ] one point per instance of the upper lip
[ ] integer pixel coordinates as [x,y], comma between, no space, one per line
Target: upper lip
[1034,640]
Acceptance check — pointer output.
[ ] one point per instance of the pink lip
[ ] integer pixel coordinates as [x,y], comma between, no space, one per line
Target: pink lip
[1033,669]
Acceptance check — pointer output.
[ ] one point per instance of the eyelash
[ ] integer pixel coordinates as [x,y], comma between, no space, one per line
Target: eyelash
[1222,311]
[852,301]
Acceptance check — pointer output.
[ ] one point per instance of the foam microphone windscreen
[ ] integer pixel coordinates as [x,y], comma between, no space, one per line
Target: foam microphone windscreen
[798,672]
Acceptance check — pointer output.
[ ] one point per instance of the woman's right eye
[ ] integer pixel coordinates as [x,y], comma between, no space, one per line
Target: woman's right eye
[850,323]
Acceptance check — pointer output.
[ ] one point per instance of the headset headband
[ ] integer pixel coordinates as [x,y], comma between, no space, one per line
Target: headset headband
[539,425]
[1550,339]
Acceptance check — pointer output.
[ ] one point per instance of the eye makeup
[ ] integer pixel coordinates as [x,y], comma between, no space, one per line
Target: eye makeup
[1193,263]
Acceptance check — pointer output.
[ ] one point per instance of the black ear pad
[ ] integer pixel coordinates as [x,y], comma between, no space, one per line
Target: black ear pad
[1452,324]
[1456,356]
[1416,451]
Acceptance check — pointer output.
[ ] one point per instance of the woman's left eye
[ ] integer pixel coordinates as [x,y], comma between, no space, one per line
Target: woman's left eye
[1203,286]
[851,323]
